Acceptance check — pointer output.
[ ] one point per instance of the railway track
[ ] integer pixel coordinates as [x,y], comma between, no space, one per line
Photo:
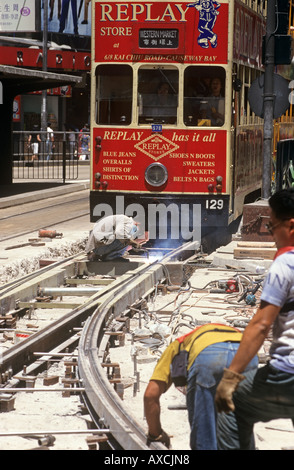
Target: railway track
[71,371]
[25,218]
[89,307]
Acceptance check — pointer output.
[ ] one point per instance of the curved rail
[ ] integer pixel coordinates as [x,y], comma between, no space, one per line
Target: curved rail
[96,314]
[102,401]
[59,330]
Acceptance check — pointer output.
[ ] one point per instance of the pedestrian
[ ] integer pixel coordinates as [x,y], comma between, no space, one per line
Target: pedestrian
[84,142]
[111,237]
[64,15]
[49,141]
[210,347]
[269,393]
[72,143]
[33,143]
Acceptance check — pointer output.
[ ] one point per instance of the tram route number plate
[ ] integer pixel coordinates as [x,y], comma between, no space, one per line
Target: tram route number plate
[216,204]
[156,128]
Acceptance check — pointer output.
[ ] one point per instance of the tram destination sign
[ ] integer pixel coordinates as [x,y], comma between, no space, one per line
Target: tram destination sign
[158,38]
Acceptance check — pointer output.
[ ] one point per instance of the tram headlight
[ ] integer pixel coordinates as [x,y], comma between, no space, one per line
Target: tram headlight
[98,140]
[97,183]
[156,174]
[219,184]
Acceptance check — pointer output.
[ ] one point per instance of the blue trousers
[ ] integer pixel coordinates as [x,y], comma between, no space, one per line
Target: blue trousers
[64,13]
[116,249]
[49,146]
[265,395]
[203,378]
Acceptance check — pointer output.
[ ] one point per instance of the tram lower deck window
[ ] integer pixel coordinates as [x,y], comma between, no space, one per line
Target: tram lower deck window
[204,96]
[158,95]
[114,85]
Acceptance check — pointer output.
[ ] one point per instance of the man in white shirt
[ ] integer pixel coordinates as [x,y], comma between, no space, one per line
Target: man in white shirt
[213,106]
[268,394]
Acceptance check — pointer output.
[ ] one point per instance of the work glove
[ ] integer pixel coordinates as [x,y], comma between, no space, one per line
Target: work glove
[162,437]
[225,389]
[135,244]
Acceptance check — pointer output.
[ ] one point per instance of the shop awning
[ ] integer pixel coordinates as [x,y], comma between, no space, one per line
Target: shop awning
[19,80]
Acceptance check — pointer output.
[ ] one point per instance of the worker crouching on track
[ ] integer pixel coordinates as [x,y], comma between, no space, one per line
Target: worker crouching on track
[269,393]
[210,348]
[111,238]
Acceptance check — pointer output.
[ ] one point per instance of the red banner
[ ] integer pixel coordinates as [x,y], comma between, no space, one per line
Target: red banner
[248,32]
[162,31]
[193,159]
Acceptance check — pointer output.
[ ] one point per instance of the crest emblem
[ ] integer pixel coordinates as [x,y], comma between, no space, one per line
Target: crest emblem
[156,146]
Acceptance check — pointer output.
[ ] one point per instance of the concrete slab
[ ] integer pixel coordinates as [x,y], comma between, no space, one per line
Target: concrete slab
[224,257]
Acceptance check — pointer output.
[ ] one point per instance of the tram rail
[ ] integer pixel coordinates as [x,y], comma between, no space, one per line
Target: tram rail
[84,327]
[73,206]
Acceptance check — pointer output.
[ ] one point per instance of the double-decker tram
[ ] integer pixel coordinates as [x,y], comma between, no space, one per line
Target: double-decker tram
[174,143]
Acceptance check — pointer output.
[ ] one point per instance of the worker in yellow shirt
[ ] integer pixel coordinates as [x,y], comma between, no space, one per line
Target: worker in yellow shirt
[209,349]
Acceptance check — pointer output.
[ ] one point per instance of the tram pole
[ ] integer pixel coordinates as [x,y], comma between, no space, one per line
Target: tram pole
[45,49]
[268,99]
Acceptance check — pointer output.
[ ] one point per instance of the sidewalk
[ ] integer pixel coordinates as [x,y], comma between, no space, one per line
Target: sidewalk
[19,262]
[30,190]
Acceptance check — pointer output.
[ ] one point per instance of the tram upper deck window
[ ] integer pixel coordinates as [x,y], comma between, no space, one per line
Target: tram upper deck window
[114,85]
[204,98]
[158,95]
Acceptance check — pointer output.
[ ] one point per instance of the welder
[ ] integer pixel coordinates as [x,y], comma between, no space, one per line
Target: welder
[111,238]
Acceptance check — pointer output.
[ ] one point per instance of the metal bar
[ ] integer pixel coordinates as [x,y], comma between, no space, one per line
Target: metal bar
[63,165]
[32,389]
[32,330]
[89,281]
[36,433]
[64,161]
[72,291]
[268,99]
[54,354]
[46,305]
[44,67]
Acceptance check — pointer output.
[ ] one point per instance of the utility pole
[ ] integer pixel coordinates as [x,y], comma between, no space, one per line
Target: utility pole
[268,99]
[45,41]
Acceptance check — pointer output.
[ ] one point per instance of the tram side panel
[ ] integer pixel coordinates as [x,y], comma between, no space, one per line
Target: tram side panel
[174,182]
[248,166]
[174,176]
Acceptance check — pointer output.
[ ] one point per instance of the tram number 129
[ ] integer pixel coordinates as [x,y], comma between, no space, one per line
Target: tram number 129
[217,204]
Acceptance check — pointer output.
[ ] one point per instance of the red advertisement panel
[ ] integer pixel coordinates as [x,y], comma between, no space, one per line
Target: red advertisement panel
[193,159]
[161,31]
[248,32]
